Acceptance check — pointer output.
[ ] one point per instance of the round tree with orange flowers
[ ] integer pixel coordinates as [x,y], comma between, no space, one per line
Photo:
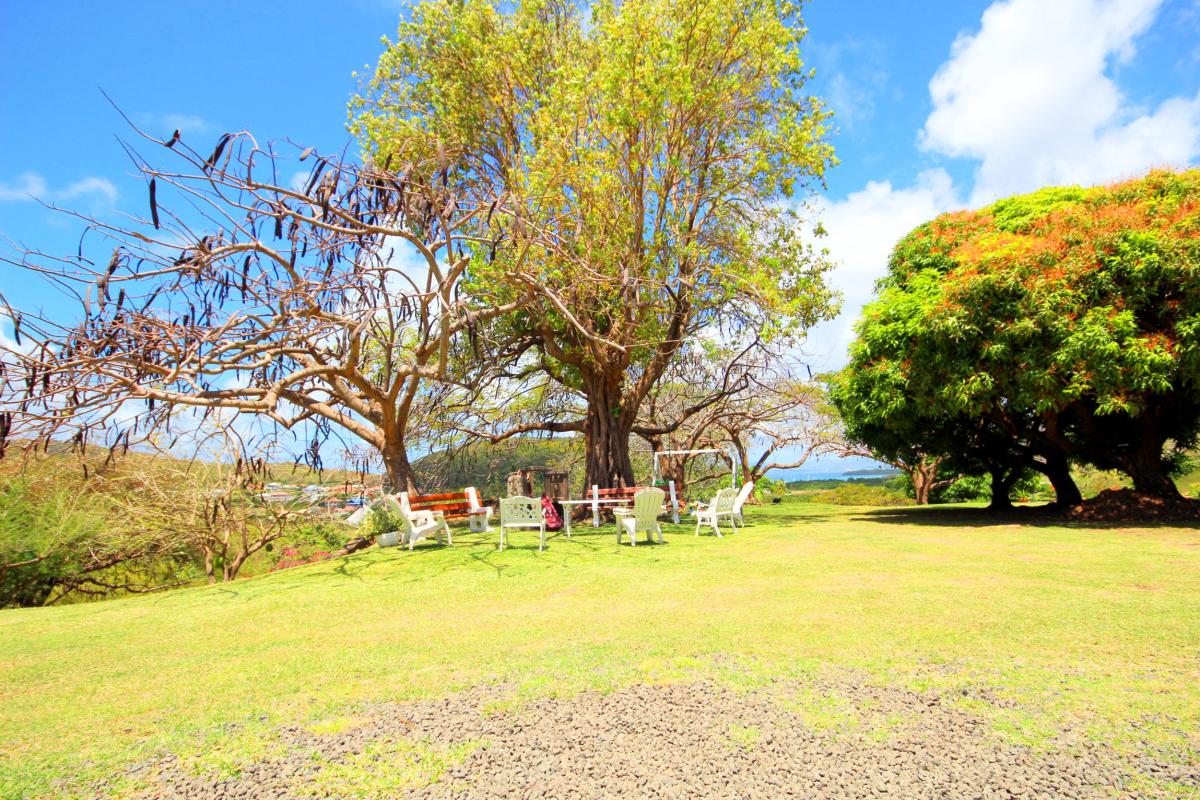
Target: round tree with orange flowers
[1066,320]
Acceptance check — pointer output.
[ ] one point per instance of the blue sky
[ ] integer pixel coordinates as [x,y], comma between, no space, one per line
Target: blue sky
[939,104]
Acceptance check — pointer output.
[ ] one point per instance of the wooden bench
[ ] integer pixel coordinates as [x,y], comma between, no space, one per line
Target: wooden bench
[450,505]
[610,498]
[623,493]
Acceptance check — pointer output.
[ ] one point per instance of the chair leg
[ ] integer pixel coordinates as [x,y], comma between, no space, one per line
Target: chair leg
[449,536]
[542,538]
[501,538]
[697,524]
[658,530]
[716,527]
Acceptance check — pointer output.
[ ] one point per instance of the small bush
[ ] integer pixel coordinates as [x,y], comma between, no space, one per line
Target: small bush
[325,535]
[381,520]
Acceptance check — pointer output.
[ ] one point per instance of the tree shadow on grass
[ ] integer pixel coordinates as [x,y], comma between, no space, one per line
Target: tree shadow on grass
[1028,516]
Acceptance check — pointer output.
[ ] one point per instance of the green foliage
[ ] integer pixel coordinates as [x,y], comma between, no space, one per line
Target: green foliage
[381,519]
[487,467]
[46,535]
[770,488]
[646,145]
[976,488]
[1061,322]
[317,535]
[833,483]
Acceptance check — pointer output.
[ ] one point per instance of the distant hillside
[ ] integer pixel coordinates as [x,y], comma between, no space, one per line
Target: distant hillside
[486,467]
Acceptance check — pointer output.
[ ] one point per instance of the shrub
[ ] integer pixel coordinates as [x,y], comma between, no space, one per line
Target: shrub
[57,541]
[381,520]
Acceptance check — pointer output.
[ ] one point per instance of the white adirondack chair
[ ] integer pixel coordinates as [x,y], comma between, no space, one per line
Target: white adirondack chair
[720,506]
[647,505]
[522,512]
[480,514]
[740,501]
[419,524]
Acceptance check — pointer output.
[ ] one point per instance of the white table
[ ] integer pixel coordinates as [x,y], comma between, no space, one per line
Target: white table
[566,504]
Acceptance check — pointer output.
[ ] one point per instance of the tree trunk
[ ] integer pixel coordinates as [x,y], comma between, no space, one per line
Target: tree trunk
[672,469]
[233,566]
[400,474]
[210,565]
[1002,481]
[1133,445]
[606,430]
[1149,472]
[1058,472]
[922,475]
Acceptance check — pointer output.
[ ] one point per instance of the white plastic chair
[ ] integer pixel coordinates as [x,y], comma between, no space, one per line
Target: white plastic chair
[742,497]
[647,505]
[479,515]
[419,524]
[720,506]
[406,506]
[522,512]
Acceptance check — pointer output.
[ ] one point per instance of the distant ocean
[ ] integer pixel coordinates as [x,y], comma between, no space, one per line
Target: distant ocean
[841,475]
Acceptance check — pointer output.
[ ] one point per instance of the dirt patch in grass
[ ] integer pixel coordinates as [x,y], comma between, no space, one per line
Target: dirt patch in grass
[681,740]
[1127,505]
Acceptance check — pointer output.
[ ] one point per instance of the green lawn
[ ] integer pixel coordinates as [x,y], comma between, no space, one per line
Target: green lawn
[1095,628]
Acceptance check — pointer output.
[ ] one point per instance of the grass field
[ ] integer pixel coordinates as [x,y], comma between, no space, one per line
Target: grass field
[1044,627]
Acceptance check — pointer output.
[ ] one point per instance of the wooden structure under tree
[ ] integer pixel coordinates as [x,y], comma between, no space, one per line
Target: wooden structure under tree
[556,483]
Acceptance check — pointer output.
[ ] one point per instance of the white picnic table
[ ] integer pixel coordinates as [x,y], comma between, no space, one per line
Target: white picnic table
[616,501]
[595,501]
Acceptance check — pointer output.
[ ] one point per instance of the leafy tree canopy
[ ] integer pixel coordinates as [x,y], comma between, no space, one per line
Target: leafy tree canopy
[1067,320]
[649,143]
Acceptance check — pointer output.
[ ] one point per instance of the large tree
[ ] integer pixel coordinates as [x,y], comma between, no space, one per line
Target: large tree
[1060,323]
[331,305]
[751,402]
[649,143]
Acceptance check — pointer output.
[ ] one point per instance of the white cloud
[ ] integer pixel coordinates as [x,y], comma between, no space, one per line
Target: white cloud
[31,186]
[25,187]
[162,125]
[299,180]
[1030,97]
[853,75]
[185,123]
[8,341]
[863,229]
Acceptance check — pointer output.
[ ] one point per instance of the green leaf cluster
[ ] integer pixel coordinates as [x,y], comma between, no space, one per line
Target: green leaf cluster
[646,144]
[1068,316]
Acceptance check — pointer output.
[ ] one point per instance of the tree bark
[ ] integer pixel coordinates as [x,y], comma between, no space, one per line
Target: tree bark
[922,475]
[1002,481]
[1149,473]
[400,474]
[606,430]
[673,469]
[1058,472]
